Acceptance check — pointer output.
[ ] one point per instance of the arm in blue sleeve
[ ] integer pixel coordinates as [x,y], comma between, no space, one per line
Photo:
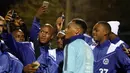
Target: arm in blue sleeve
[126,45]
[13,46]
[22,51]
[11,43]
[16,66]
[47,65]
[35,29]
[123,59]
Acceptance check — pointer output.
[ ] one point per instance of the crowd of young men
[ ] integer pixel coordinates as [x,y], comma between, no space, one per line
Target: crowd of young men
[76,51]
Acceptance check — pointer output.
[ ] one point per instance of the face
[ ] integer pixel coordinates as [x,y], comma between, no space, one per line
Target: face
[98,33]
[60,38]
[45,34]
[19,36]
[1,26]
[18,21]
[70,30]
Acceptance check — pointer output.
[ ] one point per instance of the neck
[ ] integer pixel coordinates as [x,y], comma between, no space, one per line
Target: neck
[113,36]
[45,44]
[103,40]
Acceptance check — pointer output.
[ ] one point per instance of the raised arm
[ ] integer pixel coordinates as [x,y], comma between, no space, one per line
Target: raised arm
[36,24]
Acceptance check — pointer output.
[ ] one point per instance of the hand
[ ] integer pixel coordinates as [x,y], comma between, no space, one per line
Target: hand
[127,51]
[18,21]
[29,69]
[40,11]
[59,23]
[8,16]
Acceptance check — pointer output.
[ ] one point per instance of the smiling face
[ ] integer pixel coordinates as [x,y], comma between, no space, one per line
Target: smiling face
[19,35]
[45,34]
[99,33]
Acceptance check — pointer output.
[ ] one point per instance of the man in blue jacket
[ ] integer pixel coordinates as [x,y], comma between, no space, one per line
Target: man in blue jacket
[41,37]
[114,38]
[8,63]
[108,58]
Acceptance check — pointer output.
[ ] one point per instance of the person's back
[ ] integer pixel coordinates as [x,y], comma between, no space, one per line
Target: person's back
[9,64]
[78,62]
[78,56]
[16,65]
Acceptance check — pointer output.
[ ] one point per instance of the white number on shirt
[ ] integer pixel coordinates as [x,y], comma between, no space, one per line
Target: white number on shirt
[103,70]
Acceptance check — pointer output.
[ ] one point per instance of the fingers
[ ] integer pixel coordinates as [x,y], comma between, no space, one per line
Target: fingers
[8,17]
[127,51]
[40,11]
[29,69]
[59,23]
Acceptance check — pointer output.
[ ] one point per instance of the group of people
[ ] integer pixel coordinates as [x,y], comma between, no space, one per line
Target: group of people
[76,52]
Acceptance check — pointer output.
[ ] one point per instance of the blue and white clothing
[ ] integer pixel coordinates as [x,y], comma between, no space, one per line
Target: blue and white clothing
[35,29]
[108,58]
[9,64]
[88,39]
[119,43]
[47,60]
[48,57]
[78,57]
[24,51]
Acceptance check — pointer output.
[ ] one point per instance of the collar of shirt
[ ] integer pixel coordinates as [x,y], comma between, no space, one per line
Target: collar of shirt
[100,50]
[104,44]
[114,41]
[44,49]
[80,36]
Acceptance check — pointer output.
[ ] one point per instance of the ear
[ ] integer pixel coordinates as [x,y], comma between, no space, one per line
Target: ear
[78,31]
[105,33]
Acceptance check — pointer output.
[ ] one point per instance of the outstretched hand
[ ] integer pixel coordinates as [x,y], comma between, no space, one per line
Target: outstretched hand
[40,11]
[59,23]
[8,16]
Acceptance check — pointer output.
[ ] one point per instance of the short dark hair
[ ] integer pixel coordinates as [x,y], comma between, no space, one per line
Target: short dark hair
[106,26]
[81,23]
[50,26]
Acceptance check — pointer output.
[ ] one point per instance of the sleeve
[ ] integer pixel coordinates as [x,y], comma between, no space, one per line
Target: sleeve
[126,45]
[16,66]
[22,52]
[123,60]
[35,29]
[69,62]
[11,43]
[47,65]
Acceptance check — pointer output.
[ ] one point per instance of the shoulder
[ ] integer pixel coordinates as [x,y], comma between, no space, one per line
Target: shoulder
[112,48]
[78,42]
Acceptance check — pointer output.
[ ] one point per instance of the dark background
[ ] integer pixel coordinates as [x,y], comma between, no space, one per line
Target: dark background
[90,10]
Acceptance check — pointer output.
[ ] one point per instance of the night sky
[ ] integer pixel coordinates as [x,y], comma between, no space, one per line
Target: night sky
[124,28]
[4,6]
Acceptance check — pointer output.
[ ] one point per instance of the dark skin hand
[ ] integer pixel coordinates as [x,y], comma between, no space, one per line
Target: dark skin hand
[127,51]
[41,11]
[29,69]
